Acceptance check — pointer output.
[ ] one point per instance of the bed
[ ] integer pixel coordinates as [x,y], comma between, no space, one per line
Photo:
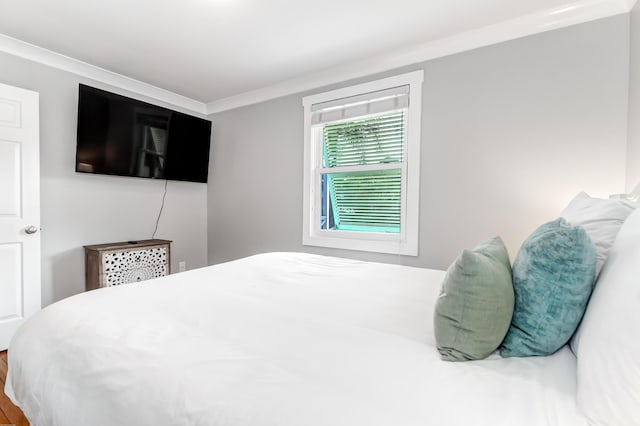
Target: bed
[273,339]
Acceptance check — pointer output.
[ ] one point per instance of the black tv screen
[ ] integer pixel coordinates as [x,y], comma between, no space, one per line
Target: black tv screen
[126,137]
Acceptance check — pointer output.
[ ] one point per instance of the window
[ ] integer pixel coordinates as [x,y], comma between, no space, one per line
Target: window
[362,161]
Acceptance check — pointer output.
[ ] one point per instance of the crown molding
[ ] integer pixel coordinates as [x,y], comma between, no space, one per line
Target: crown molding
[572,14]
[47,57]
[575,13]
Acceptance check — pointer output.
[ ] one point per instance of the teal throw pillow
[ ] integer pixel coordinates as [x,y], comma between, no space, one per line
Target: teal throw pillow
[552,279]
[473,312]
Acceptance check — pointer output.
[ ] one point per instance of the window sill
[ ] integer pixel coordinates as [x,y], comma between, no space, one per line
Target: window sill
[390,244]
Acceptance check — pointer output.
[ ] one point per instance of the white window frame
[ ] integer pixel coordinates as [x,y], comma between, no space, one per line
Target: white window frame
[406,241]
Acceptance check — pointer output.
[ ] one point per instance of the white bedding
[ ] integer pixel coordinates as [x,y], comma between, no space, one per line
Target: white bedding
[276,339]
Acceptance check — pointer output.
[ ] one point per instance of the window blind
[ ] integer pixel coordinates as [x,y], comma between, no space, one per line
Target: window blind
[367,141]
[368,200]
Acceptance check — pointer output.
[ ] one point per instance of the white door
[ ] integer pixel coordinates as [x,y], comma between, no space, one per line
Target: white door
[19,209]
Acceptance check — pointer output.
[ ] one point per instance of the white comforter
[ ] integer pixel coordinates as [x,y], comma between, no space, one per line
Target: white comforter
[277,339]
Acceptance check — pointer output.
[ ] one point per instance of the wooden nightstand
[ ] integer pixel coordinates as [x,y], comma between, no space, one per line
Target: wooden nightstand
[113,264]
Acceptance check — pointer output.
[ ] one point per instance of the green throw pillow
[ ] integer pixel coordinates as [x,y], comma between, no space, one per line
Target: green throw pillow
[552,279]
[474,309]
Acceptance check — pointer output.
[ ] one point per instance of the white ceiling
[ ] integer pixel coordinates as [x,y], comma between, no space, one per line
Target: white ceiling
[208,50]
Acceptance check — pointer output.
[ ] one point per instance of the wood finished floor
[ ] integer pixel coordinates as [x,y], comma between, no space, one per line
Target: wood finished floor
[9,413]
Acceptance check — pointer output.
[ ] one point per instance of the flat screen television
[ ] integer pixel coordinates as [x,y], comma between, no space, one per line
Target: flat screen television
[126,137]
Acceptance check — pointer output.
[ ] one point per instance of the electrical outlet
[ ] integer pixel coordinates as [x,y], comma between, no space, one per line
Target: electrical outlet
[182,266]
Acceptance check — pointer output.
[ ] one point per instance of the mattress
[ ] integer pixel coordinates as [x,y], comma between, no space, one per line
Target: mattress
[285,339]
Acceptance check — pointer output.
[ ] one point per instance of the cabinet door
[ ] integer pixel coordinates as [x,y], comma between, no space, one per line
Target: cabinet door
[134,275]
[127,266]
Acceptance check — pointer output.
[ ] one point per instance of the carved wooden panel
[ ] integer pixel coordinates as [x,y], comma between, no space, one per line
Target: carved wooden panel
[127,276]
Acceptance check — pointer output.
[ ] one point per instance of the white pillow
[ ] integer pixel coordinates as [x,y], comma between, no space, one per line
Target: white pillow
[601,218]
[609,351]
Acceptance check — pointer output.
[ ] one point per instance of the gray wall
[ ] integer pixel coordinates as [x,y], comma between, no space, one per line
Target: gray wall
[633,153]
[80,209]
[511,133]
